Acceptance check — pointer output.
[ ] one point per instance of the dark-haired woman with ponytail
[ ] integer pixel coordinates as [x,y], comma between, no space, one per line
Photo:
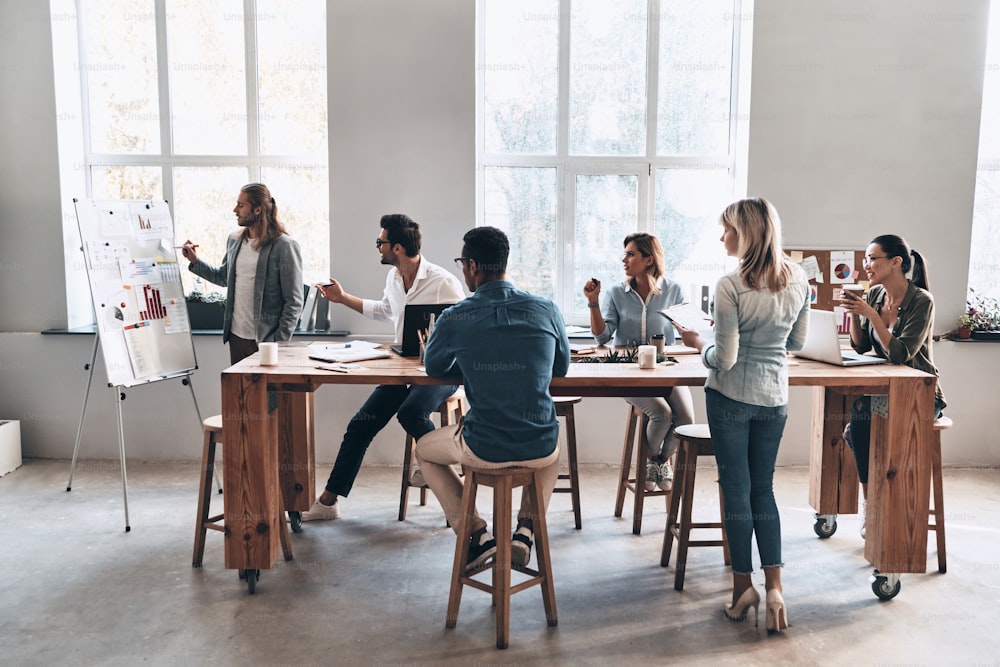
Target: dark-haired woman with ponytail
[895,320]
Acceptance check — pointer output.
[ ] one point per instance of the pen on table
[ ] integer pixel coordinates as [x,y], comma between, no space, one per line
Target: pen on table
[332,368]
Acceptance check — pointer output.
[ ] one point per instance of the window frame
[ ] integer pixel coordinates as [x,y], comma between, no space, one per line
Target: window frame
[166,160]
[568,165]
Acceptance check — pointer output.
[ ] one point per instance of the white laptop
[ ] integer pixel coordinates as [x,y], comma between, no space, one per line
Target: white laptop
[822,343]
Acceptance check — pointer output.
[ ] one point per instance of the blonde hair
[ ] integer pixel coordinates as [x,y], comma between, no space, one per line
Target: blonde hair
[649,246]
[758,229]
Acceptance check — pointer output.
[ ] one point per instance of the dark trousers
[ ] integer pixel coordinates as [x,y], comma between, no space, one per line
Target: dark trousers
[412,406]
[240,348]
[859,436]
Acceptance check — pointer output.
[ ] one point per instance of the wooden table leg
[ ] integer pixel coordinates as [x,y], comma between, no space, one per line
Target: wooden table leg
[250,480]
[296,450]
[899,476]
[833,475]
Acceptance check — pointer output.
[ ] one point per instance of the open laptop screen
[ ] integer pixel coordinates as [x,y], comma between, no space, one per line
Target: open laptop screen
[417,317]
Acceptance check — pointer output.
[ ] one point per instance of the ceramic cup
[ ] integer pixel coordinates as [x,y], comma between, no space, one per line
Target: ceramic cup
[646,356]
[268,354]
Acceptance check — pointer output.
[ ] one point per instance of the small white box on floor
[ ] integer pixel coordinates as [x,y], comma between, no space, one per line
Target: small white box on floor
[10,446]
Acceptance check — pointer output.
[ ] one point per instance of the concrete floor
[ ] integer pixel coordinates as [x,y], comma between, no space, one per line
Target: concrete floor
[368,590]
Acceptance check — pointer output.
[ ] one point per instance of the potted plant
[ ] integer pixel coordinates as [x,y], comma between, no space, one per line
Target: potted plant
[206,309]
[981,319]
[965,325]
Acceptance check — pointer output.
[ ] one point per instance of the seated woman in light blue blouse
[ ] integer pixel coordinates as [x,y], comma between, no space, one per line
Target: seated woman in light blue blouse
[633,315]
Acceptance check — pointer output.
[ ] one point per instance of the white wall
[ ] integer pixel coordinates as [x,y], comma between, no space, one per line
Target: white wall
[32,284]
[846,146]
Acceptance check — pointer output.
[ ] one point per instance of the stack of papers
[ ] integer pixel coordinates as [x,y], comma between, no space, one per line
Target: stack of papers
[356,350]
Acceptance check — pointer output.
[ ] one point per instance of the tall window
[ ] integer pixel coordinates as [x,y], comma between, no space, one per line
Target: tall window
[984,265]
[187,100]
[598,118]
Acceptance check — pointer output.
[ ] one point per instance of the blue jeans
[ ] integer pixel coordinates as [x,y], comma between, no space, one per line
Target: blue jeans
[746,439]
[411,404]
[859,436]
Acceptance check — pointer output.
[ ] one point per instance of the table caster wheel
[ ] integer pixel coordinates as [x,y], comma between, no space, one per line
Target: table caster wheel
[295,519]
[886,586]
[251,577]
[826,525]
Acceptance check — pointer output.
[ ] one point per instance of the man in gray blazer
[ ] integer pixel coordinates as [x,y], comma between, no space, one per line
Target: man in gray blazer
[262,274]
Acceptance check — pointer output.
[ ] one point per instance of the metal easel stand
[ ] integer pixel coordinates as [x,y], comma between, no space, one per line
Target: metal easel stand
[119,397]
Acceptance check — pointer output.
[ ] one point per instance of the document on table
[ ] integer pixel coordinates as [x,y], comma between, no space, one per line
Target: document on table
[356,350]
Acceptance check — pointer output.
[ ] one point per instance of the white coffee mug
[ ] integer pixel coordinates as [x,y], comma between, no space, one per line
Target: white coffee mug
[268,354]
[646,357]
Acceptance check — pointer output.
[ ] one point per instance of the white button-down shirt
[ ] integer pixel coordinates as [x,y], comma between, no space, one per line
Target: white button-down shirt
[433,284]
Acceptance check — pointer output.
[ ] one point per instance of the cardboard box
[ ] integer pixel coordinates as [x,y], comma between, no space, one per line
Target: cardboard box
[10,446]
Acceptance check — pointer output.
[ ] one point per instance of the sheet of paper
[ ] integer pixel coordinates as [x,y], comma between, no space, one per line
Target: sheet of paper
[176,320]
[811,267]
[841,266]
[688,316]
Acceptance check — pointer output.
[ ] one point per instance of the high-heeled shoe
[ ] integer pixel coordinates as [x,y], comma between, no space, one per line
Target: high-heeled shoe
[777,614]
[738,612]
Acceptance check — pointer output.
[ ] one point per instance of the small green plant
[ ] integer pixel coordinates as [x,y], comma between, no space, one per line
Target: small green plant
[197,296]
[622,355]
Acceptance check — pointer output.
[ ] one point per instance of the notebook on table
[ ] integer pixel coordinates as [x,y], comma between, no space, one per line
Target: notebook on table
[823,344]
[417,317]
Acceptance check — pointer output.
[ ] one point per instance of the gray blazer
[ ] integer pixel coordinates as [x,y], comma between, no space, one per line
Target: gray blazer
[277,293]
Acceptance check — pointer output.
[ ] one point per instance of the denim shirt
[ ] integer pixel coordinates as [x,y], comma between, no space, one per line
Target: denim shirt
[625,314]
[754,330]
[507,345]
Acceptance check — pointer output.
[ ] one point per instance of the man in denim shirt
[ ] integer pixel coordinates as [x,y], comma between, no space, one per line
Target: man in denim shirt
[506,345]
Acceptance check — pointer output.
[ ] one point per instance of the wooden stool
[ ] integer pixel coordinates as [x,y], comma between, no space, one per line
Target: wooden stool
[937,507]
[454,406]
[695,440]
[635,430]
[212,428]
[503,481]
[564,408]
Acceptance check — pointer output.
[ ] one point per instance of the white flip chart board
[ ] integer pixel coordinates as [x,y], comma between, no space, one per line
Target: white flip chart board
[135,282]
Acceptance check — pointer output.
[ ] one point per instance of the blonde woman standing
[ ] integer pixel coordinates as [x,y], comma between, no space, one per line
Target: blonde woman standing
[760,312]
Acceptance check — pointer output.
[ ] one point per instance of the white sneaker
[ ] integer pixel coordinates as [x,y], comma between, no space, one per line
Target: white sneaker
[321,512]
[665,477]
[864,517]
[652,476]
[417,478]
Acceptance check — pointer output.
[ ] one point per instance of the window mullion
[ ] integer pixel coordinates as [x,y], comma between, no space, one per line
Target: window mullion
[565,238]
[163,86]
[647,184]
[81,40]
[250,51]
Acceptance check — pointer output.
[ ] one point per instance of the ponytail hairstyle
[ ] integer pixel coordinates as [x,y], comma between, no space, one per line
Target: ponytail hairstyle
[758,228]
[896,246]
[267,227]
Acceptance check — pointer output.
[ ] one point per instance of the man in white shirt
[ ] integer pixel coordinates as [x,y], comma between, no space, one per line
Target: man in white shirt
[411,279]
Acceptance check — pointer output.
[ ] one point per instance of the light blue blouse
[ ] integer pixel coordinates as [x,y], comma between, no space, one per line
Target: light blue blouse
[633,322]
[754,330]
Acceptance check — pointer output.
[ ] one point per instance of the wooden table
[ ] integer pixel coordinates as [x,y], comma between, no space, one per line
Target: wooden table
[260,482]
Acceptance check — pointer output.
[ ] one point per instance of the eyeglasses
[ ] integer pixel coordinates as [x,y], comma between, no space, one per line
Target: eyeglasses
[460,262]
[867,261]
[380,242]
